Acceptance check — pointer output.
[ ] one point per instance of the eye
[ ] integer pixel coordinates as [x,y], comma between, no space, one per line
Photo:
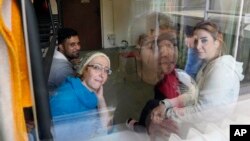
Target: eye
[97,67]
[203,41]
[108,71]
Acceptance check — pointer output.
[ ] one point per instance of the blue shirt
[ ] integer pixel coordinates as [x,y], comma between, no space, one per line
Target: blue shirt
[72,97]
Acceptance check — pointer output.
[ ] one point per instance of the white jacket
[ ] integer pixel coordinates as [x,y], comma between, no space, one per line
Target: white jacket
[218,82]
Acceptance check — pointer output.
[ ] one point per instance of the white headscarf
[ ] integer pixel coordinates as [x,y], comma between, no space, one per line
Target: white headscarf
[89,57]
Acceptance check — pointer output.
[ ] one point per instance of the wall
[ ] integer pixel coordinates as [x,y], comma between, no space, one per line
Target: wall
[139,19]
[127,18]
[121,18]
[130,19]
[107,22]
[115,22]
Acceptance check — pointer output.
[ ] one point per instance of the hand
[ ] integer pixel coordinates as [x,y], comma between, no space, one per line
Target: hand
[165,128]
[99,93]
[158,114]
[189,41]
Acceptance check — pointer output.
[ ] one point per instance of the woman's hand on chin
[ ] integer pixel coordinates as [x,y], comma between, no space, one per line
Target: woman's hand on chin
[99,93]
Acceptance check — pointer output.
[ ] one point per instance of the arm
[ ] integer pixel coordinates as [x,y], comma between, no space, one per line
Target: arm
[217,90]
[158,114]
[102,108]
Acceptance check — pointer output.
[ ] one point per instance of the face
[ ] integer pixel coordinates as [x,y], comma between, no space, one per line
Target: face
[71,47]
[206,46]
[96,73]
[167,58]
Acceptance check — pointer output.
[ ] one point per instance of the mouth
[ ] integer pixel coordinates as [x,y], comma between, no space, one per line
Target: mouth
[99,81]
[77,52]
[200,52]
[163,58]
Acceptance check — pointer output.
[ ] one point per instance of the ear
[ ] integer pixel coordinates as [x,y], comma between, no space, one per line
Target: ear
[84,72]
[60,48]
[217,43]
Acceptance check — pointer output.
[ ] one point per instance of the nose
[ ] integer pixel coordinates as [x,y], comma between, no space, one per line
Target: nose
[198,45]
[102,74]
[163,50]
[78,46]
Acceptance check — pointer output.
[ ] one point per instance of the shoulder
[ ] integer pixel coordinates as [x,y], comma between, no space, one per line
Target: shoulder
[228,63]
[224,62]
[227,59]
[60,62]
[68,87]
[72,80]
[224,67]
[61,66]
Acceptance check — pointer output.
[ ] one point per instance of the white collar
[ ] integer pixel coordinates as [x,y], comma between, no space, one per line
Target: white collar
[59,55]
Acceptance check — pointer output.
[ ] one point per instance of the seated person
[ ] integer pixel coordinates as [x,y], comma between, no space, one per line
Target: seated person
[64,57]
[84,93]
[169,85]
[218,82]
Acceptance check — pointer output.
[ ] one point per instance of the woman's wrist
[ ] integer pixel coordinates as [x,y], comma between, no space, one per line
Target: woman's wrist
[168,105]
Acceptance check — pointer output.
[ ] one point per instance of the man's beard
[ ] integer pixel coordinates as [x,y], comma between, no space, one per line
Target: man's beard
[73,56]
